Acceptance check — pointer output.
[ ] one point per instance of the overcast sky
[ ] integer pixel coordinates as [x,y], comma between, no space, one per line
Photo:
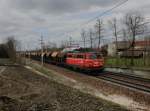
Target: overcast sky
[56,20]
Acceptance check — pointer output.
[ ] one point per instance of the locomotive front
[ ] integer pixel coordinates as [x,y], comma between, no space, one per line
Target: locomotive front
[94,61]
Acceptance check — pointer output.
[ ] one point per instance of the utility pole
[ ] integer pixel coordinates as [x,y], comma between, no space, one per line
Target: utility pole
[70,41]
[42,44]
[91,38]
[83,37]
[99,31]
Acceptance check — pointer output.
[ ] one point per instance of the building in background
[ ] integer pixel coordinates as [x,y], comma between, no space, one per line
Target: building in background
[142,48]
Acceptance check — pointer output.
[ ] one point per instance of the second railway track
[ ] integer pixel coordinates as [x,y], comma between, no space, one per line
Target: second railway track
[130,81]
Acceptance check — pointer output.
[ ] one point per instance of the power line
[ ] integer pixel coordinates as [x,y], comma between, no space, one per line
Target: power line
[119,33]
[107,11]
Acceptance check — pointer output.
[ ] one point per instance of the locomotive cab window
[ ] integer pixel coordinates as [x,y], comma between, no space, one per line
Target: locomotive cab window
[99,56]
[74,56]
[69,56]
[80,56]
[92,56]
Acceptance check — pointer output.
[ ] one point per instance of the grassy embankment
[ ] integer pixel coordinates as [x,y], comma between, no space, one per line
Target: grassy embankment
[126,63]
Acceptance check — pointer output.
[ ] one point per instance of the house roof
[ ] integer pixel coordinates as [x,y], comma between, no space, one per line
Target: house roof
[142,43]
[138,44]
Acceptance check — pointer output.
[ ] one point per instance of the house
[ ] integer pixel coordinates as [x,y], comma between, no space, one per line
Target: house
[111,50]
[141,48]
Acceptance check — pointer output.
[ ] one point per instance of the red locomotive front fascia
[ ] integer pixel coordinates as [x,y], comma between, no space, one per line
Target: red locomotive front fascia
[84,60]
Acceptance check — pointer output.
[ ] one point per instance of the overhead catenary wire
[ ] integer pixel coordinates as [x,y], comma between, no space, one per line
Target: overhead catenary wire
[107,11]
[111,36]
[119,32]
[102,14]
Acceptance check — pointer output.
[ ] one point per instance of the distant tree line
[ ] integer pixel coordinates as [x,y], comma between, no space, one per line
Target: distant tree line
[8,49]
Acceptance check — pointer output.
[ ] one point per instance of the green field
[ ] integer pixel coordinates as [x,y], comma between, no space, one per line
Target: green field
[126,62]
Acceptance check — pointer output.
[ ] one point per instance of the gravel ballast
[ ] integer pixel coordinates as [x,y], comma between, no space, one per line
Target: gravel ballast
[24,90]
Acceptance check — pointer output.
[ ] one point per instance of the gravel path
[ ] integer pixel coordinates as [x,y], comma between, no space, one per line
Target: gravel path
[23,90]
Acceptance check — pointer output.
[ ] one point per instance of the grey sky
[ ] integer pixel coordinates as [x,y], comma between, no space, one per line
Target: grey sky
[27,19]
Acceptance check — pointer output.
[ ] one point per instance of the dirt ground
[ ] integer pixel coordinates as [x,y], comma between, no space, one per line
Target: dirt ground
[23,90]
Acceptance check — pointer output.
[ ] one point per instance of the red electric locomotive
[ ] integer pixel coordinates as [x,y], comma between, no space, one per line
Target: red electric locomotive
[87,61]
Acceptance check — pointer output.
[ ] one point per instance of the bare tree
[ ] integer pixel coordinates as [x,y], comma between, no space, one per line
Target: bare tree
[91,38]
[70,41]
[11,48]
[83,36]
[125,45]
[135,26]
[64,44]
[125,40]
[50,46]
[99,28]
[113,25]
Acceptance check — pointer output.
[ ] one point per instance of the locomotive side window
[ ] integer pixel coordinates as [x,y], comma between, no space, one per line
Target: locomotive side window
[99,56]
[80,56]
[74,56]
[92,56]
[69,56]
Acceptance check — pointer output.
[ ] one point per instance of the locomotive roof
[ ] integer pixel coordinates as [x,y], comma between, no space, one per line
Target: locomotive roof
[78,52]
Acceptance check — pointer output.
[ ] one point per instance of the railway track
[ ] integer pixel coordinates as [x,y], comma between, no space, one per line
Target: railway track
[129,81]
[126,80]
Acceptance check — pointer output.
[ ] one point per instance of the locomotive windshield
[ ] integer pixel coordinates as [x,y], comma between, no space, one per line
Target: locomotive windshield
[93,56]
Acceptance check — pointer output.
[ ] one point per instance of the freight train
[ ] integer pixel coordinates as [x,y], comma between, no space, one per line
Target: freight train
[75,59]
